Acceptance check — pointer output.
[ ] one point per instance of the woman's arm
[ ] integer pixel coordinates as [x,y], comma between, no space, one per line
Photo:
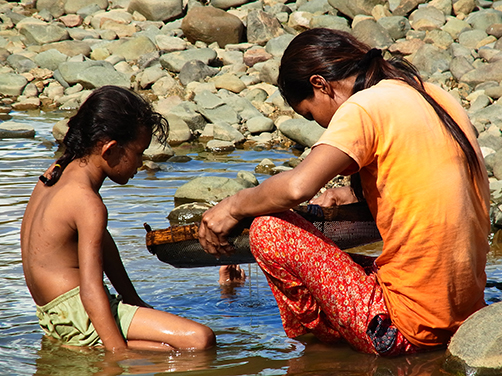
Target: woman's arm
[278,193]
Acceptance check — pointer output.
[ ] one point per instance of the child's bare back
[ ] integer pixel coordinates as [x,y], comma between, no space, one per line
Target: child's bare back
[66,247]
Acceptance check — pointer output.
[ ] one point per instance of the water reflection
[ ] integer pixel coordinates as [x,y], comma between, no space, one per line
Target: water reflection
[245,318]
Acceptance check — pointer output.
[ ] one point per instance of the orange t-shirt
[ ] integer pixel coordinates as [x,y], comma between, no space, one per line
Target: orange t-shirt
[432,216]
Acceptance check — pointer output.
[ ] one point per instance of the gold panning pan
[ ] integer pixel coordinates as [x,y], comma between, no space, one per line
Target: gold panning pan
[347,225]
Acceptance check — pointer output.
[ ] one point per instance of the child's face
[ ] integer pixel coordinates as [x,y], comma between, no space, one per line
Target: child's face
[131,158]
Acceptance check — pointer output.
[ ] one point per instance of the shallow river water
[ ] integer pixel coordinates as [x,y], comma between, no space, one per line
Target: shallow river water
[245,319]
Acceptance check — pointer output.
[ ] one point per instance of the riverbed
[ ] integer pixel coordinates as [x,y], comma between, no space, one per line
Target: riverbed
[245,318]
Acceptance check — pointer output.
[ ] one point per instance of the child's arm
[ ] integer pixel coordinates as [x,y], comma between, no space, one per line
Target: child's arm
[91,226]
[116,273]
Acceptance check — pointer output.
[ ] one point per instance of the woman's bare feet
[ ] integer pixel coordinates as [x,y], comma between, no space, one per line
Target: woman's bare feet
[231,274]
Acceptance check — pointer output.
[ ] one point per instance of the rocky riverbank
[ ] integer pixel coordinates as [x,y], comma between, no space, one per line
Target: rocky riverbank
[211,69]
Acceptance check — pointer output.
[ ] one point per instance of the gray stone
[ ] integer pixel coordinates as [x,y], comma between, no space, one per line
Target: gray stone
[270,71]
[12,129]
[158,152]
[439,38]
[187,213]
[178,130]
[454,26]
[93,74]
[261,27]
[73,6]
[260,124]
[157,10]
[372,33]
[492,114]
[12,84]
[50,59]
[150,75]
[487,72]
[229,82]
[303,132]
[220,114]
[242,106]
[220,146]
[430,59]
[69,48]
[210,189]
[88,10]
[276,46]
[174,61]
[471,38]
[43,34]
[195,70]
[265,166]
[81,34]
[20,63]
[460,66]
[168,44]
[226,4]
[355,7]
[59,130]
[478,341]
[55,7]
[396,26]
[427,18]
[331,22]
[188,112]
[484,18]
[209,24]
[208,100]
[315,6]
[225,132]
[134,48]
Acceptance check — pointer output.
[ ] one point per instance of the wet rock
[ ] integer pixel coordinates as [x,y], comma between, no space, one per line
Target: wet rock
[261,27]
[265,166]
[59,130]
[178,130]
[188,213]
[12,129]
[477,343]
[303,132]
[12,84]
[207,189]
[220,146]
[24,103]
[158,152]
[225,132]
[174,61]
[157,10]
[209,24]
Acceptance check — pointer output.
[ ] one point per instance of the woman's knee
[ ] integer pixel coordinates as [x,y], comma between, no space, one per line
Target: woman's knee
[204,338]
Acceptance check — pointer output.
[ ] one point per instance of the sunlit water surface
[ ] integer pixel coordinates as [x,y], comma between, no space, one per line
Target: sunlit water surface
[245,319]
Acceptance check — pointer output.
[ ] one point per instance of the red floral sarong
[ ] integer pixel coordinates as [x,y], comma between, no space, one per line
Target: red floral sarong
[321,290]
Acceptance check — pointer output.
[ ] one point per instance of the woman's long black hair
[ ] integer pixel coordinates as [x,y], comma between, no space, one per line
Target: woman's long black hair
[109,113]
[336,55]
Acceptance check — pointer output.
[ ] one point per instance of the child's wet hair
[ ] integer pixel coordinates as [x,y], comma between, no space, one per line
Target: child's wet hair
[109,113]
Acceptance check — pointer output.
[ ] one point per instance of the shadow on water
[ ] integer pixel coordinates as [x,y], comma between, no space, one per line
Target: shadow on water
[245,318]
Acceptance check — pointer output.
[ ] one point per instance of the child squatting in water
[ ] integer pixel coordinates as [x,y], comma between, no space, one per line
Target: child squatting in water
[66,246]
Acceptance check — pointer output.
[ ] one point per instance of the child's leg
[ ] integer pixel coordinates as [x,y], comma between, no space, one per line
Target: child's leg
[318,288]
[151,329]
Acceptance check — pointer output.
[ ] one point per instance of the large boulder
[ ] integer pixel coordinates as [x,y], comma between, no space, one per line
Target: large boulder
[209,24]
[12,84]
[477,344]
[93,74]
[303,132]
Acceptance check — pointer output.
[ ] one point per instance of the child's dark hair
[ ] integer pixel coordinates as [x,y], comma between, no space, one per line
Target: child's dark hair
[109,113]
[336,55]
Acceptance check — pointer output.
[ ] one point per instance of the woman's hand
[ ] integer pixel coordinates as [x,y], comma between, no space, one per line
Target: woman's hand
[214,228]
[335,196]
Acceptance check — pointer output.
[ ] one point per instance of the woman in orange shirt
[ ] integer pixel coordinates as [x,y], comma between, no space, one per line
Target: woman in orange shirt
[423,179]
